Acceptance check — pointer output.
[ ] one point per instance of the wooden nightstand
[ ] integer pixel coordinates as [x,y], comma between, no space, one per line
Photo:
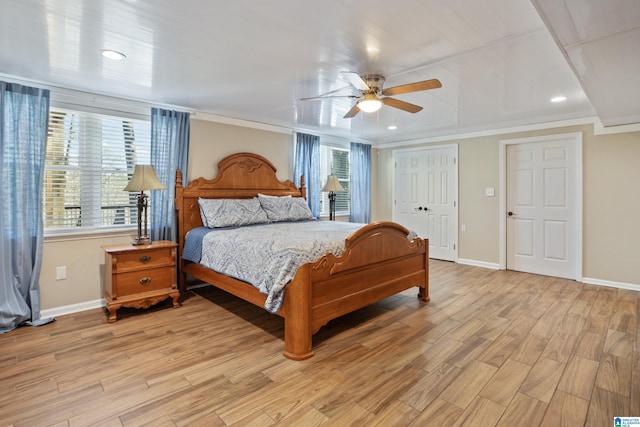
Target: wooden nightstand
[139,276]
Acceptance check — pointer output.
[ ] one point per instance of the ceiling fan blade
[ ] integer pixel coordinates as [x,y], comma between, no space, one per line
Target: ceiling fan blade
[351,113]
[412,87]
[405,106]
[355,80]
[331,92]
[312,98]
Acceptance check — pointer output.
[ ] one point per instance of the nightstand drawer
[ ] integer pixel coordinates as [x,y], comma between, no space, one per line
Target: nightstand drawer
[137,282]
[134,261]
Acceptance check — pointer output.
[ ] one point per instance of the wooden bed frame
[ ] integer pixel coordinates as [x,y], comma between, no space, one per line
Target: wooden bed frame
[378,261]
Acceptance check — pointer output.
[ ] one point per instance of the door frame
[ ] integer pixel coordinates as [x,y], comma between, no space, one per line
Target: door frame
[577,218]
[454,187]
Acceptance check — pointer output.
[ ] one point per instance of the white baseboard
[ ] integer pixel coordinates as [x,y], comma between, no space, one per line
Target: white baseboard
[491,265]
[197,285]
[73,308]
[587,280]
[89,305]
[98,303]
[611,284]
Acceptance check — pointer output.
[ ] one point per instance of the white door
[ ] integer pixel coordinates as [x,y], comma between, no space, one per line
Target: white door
[542,197]
[409,177]
[425,197]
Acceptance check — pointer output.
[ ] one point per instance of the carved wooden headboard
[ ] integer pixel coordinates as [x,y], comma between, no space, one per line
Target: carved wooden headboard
[240,176]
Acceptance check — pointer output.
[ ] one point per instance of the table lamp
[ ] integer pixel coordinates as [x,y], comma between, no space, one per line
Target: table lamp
[144,178]
[332,186]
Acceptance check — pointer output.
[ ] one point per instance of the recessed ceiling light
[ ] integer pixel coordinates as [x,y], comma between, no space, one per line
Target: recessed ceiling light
[558,99]
[113,55]
[392,127]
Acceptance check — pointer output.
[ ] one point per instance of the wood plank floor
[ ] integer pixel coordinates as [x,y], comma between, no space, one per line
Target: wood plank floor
[492,348]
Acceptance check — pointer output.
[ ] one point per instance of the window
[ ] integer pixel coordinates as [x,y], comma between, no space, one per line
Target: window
[90,158]
[335,161]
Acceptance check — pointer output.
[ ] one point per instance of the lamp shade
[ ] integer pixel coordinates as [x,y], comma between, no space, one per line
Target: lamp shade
[332,184]
[144,178]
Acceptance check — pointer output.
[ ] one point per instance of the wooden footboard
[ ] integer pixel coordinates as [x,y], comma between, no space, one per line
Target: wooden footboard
[378,261]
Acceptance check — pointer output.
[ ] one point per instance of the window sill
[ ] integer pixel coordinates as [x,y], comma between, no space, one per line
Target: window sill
[339,216]
[63,236]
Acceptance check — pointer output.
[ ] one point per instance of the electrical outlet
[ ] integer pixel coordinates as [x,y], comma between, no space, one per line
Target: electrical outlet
[489,192]
[61,273]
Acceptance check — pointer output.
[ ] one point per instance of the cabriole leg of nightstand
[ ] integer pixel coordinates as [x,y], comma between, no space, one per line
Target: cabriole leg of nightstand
[112,312]
[175,296]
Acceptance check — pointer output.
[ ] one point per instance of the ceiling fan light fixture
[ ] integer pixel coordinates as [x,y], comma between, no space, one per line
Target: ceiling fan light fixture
[370,103]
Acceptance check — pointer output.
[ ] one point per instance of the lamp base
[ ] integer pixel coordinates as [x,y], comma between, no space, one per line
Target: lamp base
[141,241]
[332,206]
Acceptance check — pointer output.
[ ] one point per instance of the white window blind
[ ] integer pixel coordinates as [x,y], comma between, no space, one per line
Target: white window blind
[90,158]
[335,161]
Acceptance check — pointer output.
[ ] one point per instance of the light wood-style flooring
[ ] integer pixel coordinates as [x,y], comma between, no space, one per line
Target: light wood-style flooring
[492,348]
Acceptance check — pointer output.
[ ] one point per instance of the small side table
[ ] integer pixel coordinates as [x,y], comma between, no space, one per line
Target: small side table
[139,276]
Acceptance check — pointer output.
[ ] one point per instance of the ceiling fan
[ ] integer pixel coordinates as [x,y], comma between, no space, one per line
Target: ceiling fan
[372,95]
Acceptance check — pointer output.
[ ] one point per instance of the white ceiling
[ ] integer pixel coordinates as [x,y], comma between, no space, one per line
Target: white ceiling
[499,61]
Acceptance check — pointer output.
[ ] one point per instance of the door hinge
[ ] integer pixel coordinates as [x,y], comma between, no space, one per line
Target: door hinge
[454,203]
[455,160]
[454,246]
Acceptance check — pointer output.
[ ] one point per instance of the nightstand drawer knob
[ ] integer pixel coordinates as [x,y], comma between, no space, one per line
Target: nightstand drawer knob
[145,280]
[145,259]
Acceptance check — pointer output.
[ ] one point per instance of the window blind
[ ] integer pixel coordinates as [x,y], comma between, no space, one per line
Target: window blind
[90,159]
[335,161]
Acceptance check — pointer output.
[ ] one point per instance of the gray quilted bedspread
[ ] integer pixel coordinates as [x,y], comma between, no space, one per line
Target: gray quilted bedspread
[267,256]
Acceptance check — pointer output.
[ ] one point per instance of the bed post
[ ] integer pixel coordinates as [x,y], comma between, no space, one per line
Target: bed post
[303,189]
[423,291]
[178,203]
[297,316]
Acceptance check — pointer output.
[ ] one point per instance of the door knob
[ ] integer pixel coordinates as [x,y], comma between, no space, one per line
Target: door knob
[510,213]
